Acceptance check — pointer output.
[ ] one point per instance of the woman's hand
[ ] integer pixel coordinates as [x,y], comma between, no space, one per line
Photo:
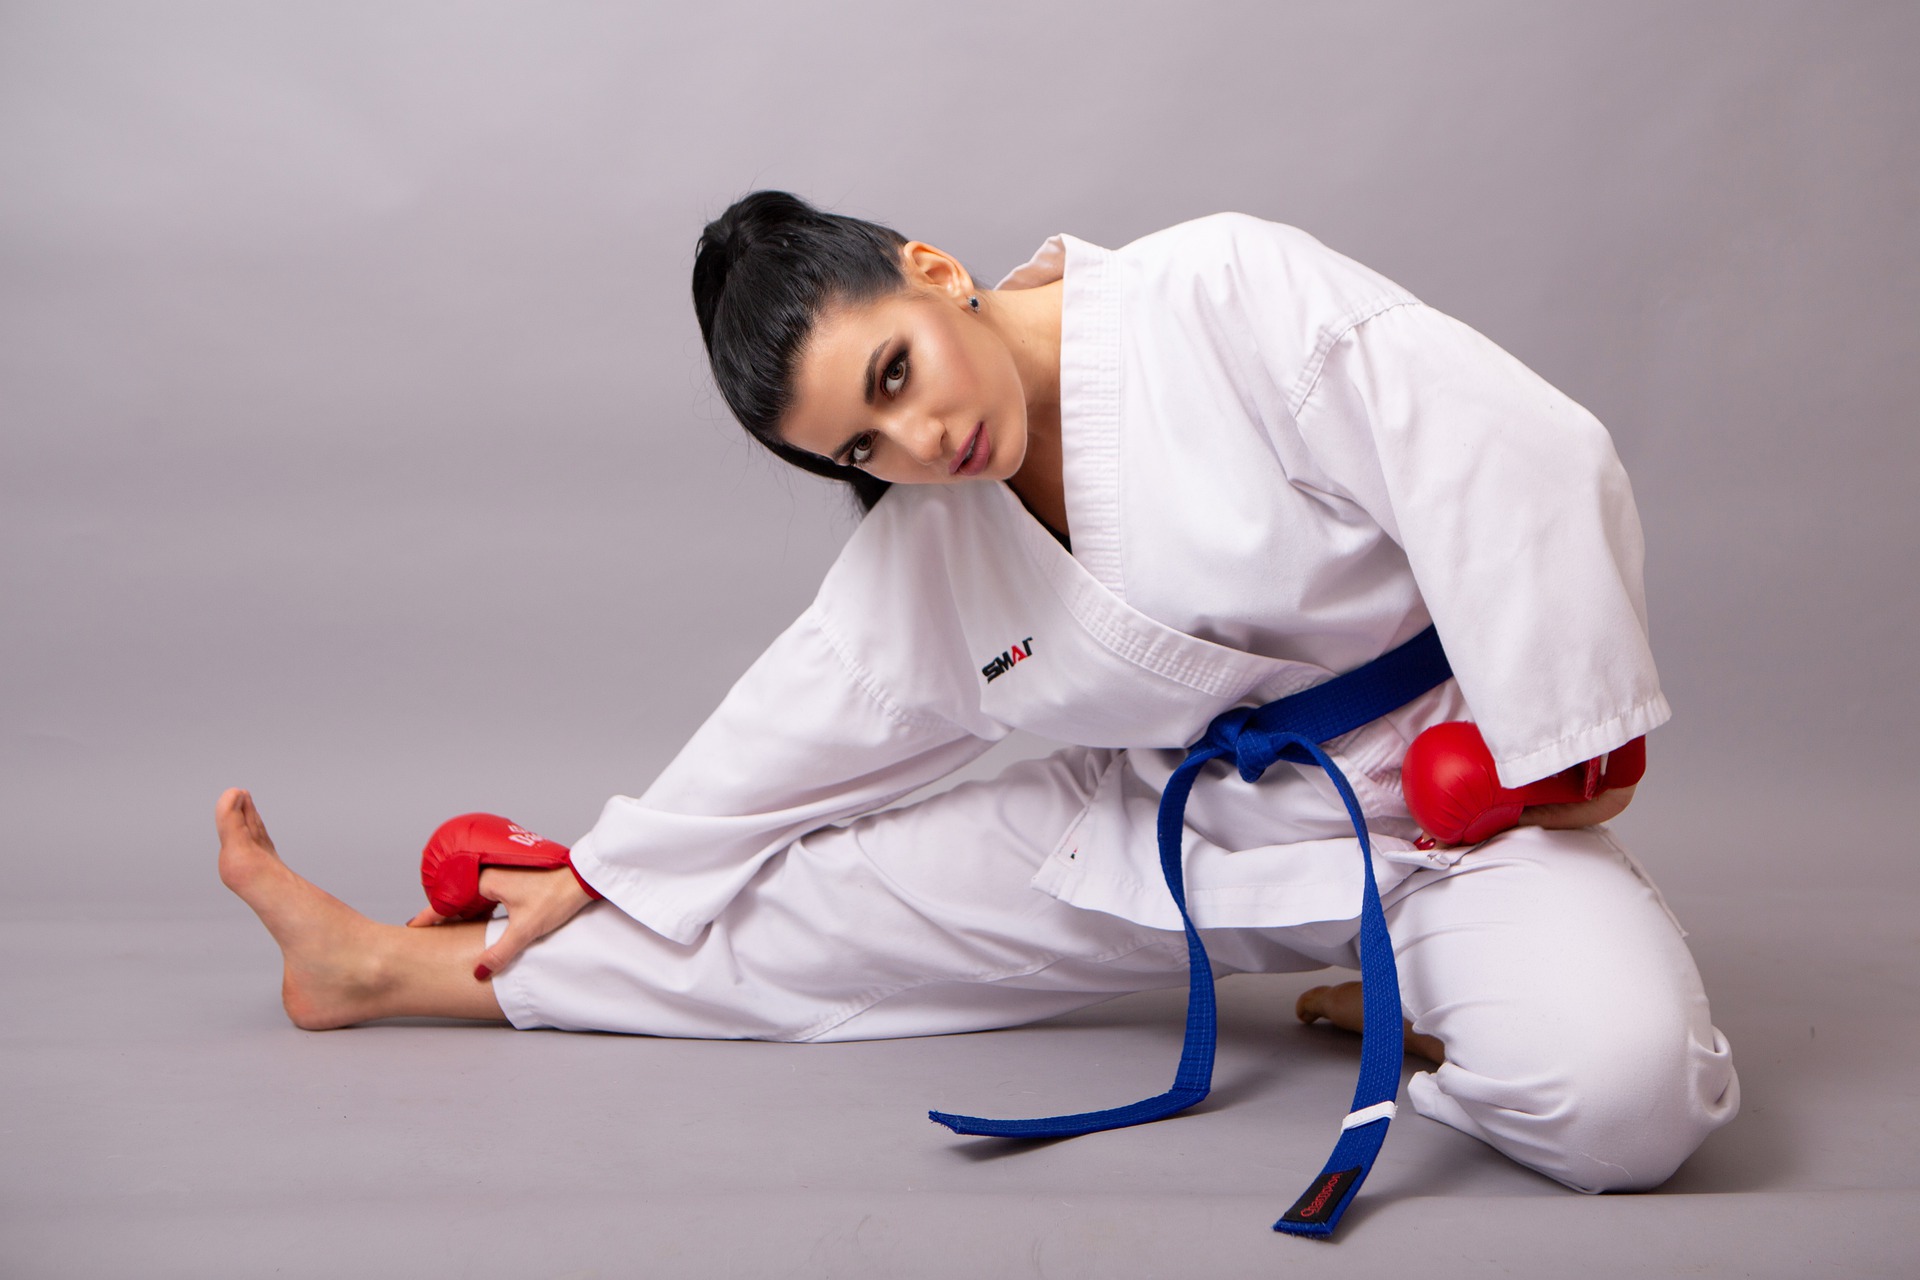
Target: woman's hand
[537,903]
[1604,807]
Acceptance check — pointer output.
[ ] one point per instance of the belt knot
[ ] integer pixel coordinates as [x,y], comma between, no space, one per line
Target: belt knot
[1233,733]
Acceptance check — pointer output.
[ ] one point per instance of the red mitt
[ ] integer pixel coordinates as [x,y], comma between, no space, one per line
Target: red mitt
[1454,793]
[450,864]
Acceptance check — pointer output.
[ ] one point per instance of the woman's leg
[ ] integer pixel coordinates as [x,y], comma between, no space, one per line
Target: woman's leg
[918,920]
[340,967]
[1577,1035]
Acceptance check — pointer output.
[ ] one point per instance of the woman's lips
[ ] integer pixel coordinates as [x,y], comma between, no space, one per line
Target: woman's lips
[978,453]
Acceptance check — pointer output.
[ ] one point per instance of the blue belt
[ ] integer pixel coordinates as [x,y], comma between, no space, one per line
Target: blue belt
[1290,729]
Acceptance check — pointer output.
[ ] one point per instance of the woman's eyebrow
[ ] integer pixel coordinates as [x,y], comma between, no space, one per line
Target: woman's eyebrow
[842,451]
[873,362]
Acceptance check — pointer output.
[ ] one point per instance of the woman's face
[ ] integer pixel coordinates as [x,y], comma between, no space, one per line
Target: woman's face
[915,387]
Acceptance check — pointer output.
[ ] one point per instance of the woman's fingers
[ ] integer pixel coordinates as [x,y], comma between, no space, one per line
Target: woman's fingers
[1604,807]
[427,918]
[496,957]
[537,903]
[526,925]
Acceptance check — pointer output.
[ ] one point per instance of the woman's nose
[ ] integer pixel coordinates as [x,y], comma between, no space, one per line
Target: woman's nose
[927,442]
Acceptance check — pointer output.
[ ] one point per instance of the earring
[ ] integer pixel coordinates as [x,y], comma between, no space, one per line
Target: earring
[974,303]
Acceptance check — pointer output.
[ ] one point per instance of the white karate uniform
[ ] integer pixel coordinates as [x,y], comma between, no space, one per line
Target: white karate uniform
[1278,465]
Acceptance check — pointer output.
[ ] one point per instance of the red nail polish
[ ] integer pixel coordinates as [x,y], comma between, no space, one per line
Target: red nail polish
[481,973]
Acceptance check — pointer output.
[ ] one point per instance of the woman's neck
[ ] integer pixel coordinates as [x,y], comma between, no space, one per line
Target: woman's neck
[1029,323]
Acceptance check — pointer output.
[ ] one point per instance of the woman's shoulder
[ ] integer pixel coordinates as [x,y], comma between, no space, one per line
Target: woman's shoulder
[905,563]
[1236,252]
[923,582]
[1222,232]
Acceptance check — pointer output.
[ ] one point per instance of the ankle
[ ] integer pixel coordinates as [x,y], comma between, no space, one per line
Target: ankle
[350,979]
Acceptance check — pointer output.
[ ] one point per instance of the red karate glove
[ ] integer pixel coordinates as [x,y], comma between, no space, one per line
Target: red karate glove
[450,864]
[1454,793]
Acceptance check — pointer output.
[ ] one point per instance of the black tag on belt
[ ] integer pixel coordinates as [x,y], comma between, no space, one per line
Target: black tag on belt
[1322,1198]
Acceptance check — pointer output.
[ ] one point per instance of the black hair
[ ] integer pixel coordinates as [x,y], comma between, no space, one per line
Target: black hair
[763,273]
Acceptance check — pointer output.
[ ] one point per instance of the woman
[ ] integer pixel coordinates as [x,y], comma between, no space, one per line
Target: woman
[1109,500]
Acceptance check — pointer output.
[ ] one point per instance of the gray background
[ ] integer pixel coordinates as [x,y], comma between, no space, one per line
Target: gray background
[356,447]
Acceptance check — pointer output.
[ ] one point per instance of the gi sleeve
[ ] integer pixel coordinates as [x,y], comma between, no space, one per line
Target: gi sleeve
[1517,521]
[805,739]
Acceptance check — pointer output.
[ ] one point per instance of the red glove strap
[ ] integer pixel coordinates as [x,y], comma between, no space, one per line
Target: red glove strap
[592,892]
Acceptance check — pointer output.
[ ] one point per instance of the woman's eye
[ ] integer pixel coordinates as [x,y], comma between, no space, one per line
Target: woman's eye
[862,450]
[896,377]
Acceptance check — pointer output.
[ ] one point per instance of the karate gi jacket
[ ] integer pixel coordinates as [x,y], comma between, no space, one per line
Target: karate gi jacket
[1278,465]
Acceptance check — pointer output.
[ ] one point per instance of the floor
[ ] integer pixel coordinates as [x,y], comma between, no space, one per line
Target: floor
[166,1121]
[163,1119]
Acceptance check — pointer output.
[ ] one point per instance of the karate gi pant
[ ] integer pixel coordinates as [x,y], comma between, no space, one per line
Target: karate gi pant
[1577,1034]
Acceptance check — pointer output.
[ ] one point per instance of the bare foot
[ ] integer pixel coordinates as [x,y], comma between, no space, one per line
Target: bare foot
[1343,1007]
[334,974]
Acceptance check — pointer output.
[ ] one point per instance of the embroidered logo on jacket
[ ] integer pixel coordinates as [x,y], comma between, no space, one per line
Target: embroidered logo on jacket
[1004,663]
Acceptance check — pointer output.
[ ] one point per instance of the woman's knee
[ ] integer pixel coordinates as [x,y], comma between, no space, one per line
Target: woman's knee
[1577,1031]
[1637,1110]
[1614,1113]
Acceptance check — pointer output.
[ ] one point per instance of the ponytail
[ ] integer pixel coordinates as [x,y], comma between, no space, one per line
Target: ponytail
[763,273]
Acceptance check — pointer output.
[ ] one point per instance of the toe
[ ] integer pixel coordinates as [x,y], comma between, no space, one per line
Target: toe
[237,821]
[228,818]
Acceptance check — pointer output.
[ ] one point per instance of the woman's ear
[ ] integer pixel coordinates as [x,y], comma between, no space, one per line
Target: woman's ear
[928,267]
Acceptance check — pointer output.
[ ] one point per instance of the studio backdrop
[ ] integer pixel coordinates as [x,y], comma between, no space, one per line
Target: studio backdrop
[356,443]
